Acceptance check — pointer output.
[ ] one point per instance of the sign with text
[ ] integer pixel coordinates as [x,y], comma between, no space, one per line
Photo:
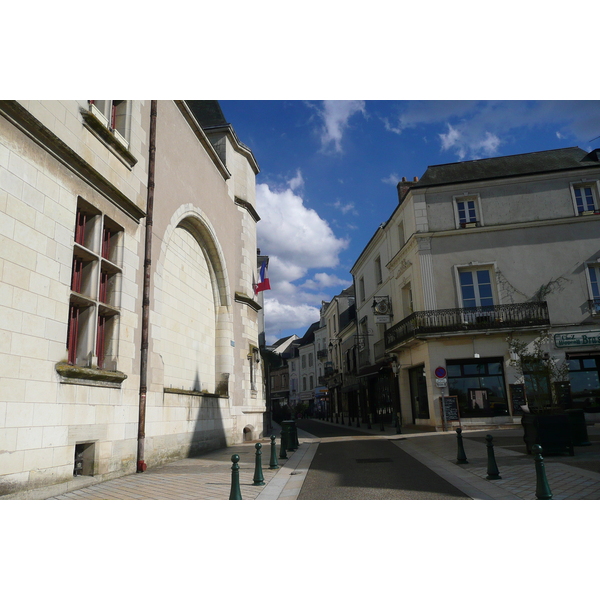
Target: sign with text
[450,408]
[577,339]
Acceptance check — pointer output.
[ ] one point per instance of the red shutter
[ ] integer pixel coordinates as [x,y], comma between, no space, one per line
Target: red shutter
[72,333]
[80,222]
[100,340]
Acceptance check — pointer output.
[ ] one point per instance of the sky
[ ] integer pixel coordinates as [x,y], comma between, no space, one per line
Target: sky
[329,170]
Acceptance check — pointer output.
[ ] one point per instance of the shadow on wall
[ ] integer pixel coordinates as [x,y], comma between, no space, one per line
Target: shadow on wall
[205,408]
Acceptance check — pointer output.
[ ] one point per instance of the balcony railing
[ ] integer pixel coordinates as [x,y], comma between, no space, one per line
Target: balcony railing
[481,318]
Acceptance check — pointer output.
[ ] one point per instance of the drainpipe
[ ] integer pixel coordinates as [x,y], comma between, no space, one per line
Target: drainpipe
[141,438]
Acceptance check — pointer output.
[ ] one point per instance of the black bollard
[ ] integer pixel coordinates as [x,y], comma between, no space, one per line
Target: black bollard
[461,457]
[398,423]
[258,474]
[542,489]
[273,463]
[235,493]
[369,420]
[342,421]
[492,467]
[282,453]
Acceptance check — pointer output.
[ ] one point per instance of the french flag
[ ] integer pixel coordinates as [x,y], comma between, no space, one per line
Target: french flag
[263,283]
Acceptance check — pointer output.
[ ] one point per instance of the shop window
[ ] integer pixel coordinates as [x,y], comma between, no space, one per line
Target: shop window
[479,386]
[93,305]
[584,376]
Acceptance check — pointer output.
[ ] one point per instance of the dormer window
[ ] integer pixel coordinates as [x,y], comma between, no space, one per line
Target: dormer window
[467,211]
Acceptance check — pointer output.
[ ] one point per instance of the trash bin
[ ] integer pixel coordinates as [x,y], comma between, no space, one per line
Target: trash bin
[577,426]
[290,428]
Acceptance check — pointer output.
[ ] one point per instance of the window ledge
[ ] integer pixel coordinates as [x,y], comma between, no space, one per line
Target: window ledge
[111,138]
[181,391]
[89,376]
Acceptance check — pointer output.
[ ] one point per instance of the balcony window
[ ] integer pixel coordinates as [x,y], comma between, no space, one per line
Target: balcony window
[476,287]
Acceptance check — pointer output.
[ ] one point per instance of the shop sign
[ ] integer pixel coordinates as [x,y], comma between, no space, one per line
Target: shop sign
[579,339]
[383,318]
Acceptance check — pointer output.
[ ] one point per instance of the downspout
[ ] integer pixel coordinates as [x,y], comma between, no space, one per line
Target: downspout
[141,438]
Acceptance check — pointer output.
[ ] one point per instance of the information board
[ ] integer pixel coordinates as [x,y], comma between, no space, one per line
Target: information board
[450,408]
[517,395]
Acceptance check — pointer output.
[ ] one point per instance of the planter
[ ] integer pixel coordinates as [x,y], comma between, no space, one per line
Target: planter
[552,432]
[579,435]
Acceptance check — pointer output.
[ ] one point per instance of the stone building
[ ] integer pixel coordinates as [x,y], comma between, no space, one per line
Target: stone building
[129,333]
[478,253]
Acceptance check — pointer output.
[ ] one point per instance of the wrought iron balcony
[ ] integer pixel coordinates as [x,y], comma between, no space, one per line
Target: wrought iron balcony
[481,318]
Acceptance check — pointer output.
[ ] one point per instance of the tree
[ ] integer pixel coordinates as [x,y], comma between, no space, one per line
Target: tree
[538,370]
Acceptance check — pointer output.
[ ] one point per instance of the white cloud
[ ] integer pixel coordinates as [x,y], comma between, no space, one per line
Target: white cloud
[297,240]
[336,115]
[324,280]
[392,179]
[477,129]
[467,143]
[345,208]
[297,182]
[280,316]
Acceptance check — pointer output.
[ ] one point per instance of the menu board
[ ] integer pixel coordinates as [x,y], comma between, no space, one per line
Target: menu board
[517,394]
[450,408]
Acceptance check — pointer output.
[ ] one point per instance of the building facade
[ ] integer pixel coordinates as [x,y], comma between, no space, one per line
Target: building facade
[478,254]
[130,330]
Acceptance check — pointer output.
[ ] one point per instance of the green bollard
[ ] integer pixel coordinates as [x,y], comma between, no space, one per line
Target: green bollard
[273,464]
[492,467]
[258,474]
[236,493]
[282,453]
[461,457]
[542,489]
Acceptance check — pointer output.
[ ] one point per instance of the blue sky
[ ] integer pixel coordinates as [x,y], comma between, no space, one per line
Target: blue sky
[329,171]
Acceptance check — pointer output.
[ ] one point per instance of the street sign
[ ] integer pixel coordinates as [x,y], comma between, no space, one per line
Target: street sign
[442,382]
[440,372]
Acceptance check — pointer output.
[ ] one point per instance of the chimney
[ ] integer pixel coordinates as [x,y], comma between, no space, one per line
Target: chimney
[403,187]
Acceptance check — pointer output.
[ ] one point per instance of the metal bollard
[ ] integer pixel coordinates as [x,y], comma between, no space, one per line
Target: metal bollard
[492,467]
[273,463]
[295,436]
[461,457]
[258,474]
[398,423]
[235,493]
[542,489]
[282,453]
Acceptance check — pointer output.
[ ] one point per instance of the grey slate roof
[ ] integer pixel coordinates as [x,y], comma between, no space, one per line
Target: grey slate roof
[508,166]
[208,113]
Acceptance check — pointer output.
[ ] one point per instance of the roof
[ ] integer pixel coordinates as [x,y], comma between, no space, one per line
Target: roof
[508,166]
[207,112]
[309,336]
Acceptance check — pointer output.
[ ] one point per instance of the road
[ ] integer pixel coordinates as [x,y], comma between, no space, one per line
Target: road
[354,465]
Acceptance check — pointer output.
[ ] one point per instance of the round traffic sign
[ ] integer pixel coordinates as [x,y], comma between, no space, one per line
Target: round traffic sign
[440,372]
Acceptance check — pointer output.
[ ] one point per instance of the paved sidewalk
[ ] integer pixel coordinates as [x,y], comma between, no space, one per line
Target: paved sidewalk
[208,477]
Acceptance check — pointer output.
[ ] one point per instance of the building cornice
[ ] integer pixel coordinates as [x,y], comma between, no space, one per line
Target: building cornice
[23,120]
[245,204]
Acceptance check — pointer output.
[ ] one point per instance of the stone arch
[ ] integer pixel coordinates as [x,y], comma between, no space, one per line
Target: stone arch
[249,433]
[192,302]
